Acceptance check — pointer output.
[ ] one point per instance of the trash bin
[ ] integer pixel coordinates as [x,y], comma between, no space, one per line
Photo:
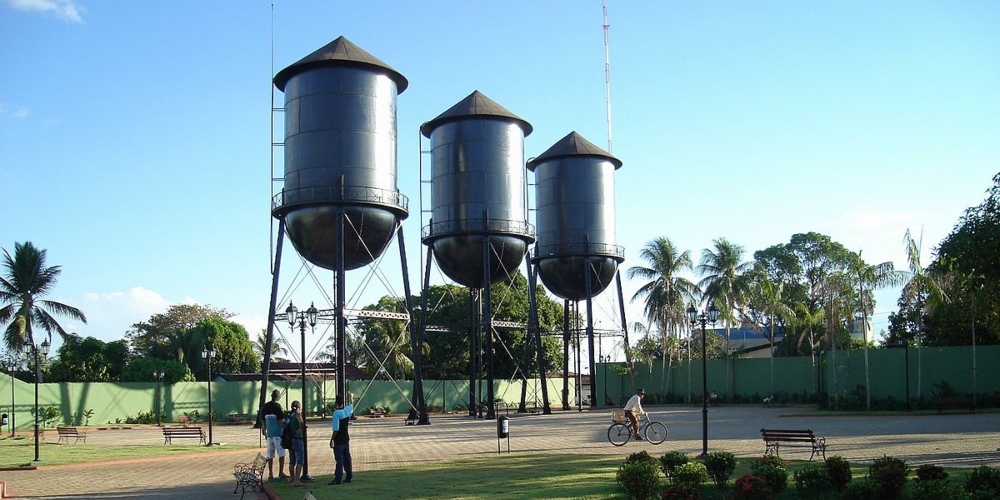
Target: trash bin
[503,426]
[3,419]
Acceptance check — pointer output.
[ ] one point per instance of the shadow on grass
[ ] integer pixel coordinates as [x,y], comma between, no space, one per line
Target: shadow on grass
[503,476]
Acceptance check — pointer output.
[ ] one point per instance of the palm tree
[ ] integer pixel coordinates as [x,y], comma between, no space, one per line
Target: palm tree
[878,276]
[278,349]
[922,289]
[665,292]
[26,280]
[765,296]
[722,268]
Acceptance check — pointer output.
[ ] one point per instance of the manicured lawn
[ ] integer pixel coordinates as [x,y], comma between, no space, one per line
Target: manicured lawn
[503,476]
[519,477]
[20,451]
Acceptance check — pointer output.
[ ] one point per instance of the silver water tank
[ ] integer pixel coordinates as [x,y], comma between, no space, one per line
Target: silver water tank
[477,190]
[575,217]
[340,154]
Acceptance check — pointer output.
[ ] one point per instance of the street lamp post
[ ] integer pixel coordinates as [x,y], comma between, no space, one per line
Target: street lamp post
[158,375]
[209,354]
[711,316]
[311,315]
[38,375]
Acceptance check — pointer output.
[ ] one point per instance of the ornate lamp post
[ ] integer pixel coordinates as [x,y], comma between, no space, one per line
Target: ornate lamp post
[711,316]
[311,315]
[38,375]
[209,354]
[158,375]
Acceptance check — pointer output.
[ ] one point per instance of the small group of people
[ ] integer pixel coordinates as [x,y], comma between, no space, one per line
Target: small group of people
[276,421]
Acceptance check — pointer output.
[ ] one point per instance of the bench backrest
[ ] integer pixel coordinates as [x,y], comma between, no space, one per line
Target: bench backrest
[788,434]
[66,430]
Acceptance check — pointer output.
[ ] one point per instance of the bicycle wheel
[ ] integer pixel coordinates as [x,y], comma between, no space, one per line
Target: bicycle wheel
[655,432]
[619,434]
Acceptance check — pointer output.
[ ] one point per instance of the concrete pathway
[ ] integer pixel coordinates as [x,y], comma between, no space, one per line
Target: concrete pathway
[954,439]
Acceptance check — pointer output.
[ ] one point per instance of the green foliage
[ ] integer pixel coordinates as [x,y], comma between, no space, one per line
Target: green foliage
[194,415]
[690,474]
[931,472]
[813,481]
[752,487]
[983,480]
[839,470]
[143,418]
[890,474]
[640,479]
[141,370]
[166,335]
[639,456]
[720,465]
[24,284]
[670,461]
[773,469]
[862,489]
[88,360]
[936,490]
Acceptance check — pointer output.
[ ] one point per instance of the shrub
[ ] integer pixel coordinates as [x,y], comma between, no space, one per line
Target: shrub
[773,470]
[691,474]
[929,472]
[983,480]
[861,489]
[720,465]
[681,492]
[639,456]
[640,479]
[839,470]
[752,487]
[813,481]
[934,489]
[670,461]
[890,474]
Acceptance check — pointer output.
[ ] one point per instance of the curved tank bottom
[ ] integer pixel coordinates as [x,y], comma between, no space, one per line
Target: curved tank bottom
[563,275]
[368,230]
[460,257]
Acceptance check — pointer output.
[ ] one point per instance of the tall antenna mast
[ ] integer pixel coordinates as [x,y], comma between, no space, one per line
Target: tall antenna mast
[607,73]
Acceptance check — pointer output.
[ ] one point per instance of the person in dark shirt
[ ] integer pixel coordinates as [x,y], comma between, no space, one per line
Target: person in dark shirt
[341,442]
[274,418]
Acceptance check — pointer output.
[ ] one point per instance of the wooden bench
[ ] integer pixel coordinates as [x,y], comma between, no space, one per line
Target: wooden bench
[954,403]
[800,438]
[71,432]
[238,418]
[169,433]
[375,413]
[250,475]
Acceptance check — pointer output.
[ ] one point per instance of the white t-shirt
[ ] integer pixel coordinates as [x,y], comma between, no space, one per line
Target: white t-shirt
[634,404]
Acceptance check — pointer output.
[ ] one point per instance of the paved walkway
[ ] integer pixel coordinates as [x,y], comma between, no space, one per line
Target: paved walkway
[955,439]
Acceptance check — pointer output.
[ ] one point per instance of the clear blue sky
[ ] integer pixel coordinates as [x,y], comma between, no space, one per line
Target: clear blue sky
[135,148]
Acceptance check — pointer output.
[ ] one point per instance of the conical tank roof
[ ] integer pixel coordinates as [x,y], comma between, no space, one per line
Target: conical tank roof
[572,145]
[340,52]
[475,105]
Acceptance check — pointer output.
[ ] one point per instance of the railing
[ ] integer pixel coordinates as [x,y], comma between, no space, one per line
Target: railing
[313,195]
[478,226]
[581,248]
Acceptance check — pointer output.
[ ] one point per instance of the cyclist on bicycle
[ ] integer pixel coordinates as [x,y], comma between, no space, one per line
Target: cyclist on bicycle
[633,410]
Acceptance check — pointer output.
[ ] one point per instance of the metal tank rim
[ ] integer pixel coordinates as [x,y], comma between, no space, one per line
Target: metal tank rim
[366,196]
[555,251]
[435,231]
